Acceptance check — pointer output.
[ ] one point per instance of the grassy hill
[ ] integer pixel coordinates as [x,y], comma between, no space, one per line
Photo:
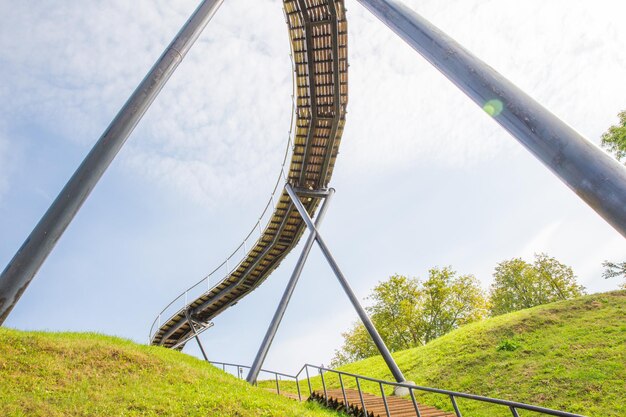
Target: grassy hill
[568,355]
[43,374]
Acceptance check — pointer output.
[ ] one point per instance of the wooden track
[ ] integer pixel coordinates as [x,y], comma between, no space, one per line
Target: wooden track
[318,34]
[398,407]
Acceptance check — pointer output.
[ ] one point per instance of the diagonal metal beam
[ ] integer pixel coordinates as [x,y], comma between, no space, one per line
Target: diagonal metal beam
[195,334]
[22,268]
[593,175]
[371,329]
[284,301]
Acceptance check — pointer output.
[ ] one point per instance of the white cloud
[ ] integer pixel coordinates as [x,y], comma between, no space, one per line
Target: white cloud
[224,116]
[222,119]
[407,113]
[217,132]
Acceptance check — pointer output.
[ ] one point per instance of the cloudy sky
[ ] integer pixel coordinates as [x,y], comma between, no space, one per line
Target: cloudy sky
[424,177]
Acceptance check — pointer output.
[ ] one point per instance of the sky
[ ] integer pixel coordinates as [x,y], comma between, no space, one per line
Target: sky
[424,177]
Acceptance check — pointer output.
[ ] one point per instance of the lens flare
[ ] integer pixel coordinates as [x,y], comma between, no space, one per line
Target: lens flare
[493,107]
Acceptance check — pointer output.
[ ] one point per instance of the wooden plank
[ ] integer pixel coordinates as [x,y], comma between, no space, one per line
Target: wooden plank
[398,407]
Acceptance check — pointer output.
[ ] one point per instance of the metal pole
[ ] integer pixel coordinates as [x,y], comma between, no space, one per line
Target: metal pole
[195,333]
[593,175]
[29,258]
[201,348]
[371,329]
[284,301]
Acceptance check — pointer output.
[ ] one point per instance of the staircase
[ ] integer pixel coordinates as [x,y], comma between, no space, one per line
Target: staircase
[363,404]
[335,394]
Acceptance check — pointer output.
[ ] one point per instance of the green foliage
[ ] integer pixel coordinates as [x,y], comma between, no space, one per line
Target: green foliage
[613,269]
[507,345]
[449,302]
[408,313]
[357,344]
[571,357]
[54,375]
[396,310]
[518,285]
[614,139]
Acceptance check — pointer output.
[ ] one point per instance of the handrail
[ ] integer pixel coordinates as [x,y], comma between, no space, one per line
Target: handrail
[245,244]
[513,406]
[452,394]
[207,279]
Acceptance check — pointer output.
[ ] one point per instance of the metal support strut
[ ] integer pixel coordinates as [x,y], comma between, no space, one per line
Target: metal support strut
[195,334]
[593,175]
[29,258]
[291,285]
[371,329]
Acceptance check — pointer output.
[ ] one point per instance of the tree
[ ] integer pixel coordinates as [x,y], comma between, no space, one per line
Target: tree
[614,139]
[408,313]
[449,302]
[396,311]
[395,314]
[357,345]
[518,284]
[613,270]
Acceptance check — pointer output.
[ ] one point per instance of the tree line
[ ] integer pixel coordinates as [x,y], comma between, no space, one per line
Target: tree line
[409,312]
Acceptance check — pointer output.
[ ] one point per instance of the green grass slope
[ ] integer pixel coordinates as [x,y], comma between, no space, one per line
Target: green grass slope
[44,374]
[568,355]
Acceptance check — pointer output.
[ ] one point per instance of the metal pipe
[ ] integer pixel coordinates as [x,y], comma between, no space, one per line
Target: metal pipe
[456,407]
[593,175]
[201,348]
[195,333]
[382,393]
[358,386]
[308,379]
[299,391]
[371,329]
[417,409]
[324,385]
[34,251]
[284,301]
[343,392]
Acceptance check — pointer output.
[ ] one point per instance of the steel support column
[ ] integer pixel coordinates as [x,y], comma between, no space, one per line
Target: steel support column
[195,333]
[593,175]
[284,301]
[371,329]
[29,258]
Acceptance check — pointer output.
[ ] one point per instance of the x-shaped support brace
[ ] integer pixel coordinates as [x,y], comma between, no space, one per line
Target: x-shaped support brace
[196,332]
[315,236]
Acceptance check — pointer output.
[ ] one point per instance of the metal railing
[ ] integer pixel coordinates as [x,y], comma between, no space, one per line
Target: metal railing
[181,303]
[278,377]
[512,406]
[232,262]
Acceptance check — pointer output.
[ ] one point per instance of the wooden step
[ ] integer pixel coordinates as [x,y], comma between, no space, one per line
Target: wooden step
[398,407]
